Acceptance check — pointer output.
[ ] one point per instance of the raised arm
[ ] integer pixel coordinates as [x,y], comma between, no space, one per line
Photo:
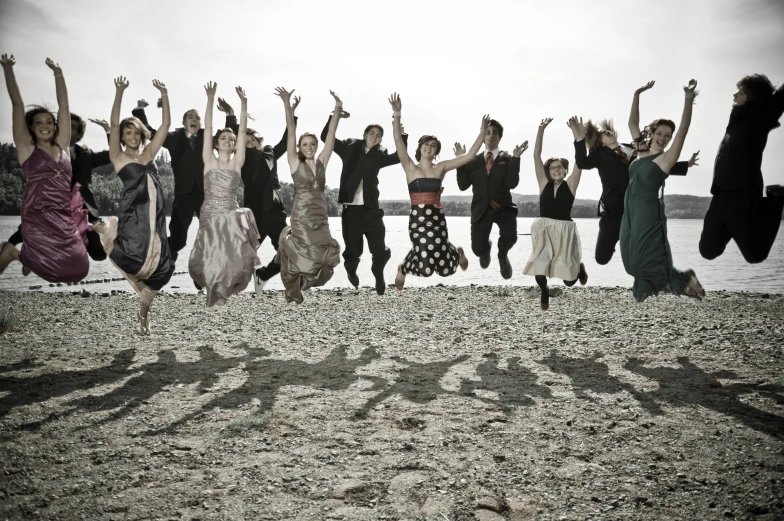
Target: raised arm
[206,148]
[464,159]
[573,181]
[582,158]
[291,142]
[541,177]
[329,143]
[163,131]
[115,151]
[512,178]
[239,155]
[670,157]
[397,133]
[776,104]
[63,112]
[280,149]
[634,115]
[19,127]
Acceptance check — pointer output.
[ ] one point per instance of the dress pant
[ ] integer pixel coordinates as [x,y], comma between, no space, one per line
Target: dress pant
[185,205]
[360,222]
[270,225]
[506,219]
[609,234]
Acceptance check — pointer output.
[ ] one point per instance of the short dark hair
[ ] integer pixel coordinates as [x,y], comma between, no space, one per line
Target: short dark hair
[255,133]
[189,110]
[32,113]
[425,139]
[564,162]
[138,125]
[82,126]
[757,87]
[496,124]
[372,126]
[217,136]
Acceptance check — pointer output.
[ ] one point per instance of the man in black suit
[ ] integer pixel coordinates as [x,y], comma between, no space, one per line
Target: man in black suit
[361,217]
[185,147]
[492,174]
[262,187]
[83,161]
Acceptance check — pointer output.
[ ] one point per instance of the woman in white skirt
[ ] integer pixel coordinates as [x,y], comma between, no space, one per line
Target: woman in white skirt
[556,244]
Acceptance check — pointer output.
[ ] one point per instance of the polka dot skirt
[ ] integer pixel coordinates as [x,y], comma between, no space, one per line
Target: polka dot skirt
[431,250]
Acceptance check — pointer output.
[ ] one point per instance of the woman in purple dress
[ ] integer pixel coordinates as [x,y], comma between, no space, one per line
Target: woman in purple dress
[54,221]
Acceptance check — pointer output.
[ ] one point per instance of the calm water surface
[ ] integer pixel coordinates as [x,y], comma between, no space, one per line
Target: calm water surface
[730,271]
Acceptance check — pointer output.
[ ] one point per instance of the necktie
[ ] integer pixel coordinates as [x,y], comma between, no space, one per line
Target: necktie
[622,155]
[489,162]
[192,141]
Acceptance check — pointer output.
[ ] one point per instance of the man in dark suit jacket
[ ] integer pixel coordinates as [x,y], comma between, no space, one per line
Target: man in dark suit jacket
[185,147]
[262,187]
[83,161]
[362,160]
[493,174]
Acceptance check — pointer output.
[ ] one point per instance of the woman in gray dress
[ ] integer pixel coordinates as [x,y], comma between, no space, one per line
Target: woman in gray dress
[224,254]
[307,254]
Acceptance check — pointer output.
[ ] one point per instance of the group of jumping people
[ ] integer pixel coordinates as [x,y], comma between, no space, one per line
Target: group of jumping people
[61,228]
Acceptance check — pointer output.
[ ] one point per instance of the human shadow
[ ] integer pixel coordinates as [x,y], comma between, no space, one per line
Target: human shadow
[417,382]
[18,366]
[266,376]
[150,379]
[515,386]
[691,385]
[27,391]
[591,374]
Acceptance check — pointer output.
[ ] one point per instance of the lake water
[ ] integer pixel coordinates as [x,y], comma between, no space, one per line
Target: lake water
[730,271]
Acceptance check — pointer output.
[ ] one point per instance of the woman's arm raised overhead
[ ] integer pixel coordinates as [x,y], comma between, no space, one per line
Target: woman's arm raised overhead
[634,115]
[19,126]
[670,157]
[239,155]
[206,149]
[63,112]
[329,142]
[163,131]
[291,146]
[459,161]
[115,150]
[541,176]
[397,132]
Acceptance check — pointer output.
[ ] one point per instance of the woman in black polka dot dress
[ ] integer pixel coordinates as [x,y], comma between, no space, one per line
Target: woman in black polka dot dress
[431,251]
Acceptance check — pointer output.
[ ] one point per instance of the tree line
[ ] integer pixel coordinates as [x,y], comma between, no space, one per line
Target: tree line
[107,188]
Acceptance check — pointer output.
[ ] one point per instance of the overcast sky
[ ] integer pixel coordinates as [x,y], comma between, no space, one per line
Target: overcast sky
[451,62]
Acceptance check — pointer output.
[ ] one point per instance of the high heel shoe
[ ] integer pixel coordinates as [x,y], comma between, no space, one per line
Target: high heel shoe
[694,288]
[463,261]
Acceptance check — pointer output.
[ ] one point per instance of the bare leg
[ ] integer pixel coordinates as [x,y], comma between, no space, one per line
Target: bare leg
[147,295]
[400,279]
[8,254]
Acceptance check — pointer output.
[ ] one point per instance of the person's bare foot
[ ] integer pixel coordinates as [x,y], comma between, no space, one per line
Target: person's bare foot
[400,278]
[694,288]
[463,262]
[25,270]
[6,255]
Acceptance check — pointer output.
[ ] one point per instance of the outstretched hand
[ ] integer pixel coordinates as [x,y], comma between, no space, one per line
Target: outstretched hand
[485,123]
[519,149]
[459,149]
[645,87]
[223,106]
[54,66]
[295,104]
[337,98]
[7,61]
[241,94]
[694,158]
[210,88]
[284,94]
[394,100]
[121,83]
[140,104]
[544,123]
[578,129]
[344,114]
[101,123]
[690,88]
[158,84]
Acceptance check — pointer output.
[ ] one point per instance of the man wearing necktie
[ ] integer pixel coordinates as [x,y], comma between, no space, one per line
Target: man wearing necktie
[493,174]
[184,145]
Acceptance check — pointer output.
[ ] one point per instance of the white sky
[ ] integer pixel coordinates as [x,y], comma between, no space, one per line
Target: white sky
[451,61]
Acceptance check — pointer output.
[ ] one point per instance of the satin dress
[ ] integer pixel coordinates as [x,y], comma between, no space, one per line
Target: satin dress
[224,254]
[307,253]
[54,221]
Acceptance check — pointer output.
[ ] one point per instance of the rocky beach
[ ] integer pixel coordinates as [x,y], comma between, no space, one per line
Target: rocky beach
[440,403]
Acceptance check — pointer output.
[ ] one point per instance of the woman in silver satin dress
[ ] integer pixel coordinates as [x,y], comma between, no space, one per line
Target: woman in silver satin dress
[307,254]
[223,257]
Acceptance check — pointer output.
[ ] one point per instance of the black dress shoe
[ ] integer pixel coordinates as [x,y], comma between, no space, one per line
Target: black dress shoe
[381,286]
[484,260]
[506,266]
[774,191]
[353,278]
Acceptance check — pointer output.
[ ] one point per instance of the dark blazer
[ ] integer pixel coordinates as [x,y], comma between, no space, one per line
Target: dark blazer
[261,182]
[359,166]
[83,161]
[504,176]
[613,172]
[186,161]
[738,164]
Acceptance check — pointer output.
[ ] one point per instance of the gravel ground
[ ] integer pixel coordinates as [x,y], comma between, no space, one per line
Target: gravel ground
[440,403]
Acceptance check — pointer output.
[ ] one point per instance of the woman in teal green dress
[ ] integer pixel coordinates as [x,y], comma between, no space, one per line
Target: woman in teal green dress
[645,249]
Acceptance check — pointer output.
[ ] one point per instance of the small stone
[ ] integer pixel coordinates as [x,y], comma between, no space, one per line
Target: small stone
[488,503]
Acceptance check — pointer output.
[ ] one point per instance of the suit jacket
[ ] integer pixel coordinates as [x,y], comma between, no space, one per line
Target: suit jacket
[504,176]
[359,166]
[83,161]
[186,160]
[613,172]
[260,173]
